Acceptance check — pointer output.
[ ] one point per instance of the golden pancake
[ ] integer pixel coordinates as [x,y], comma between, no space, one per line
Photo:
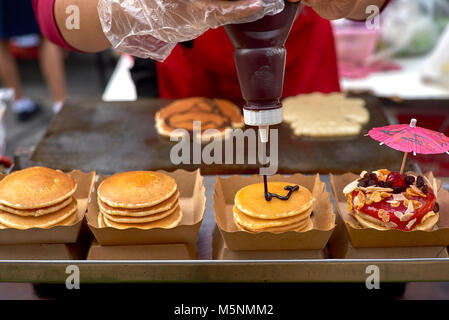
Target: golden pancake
[136,189]
[213,113]
[428,224]
[251,201]
[70,220]
[153,217]
[325,115]
[100,220]
[257,224]
[37,212]
[46,221]
[160,207]
[301,226]
[35,188]
[367,221]
[166,223]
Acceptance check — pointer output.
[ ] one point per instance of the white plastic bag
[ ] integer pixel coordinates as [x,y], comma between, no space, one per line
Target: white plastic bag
[151,28]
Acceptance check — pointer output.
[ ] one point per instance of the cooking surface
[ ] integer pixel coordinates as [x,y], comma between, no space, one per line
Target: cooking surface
[120,136]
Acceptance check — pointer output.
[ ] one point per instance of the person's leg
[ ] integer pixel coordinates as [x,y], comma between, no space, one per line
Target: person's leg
[24,107]
[52,66]
[9,72]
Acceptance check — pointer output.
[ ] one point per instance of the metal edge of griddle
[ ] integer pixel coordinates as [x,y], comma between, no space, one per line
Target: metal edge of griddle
[195,271]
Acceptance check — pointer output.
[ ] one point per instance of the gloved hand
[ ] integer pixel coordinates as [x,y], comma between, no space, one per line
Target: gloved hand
[151,28]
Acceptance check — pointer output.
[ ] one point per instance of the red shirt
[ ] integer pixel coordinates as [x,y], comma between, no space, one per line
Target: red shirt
[208,68]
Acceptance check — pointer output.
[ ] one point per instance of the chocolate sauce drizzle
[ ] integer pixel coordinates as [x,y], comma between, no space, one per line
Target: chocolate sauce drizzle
[198,107]
[269,195]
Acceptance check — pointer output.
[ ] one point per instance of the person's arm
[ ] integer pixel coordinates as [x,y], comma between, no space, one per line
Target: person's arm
[359,11]
[337,9]
[89,37]
[145,28]
[52,16]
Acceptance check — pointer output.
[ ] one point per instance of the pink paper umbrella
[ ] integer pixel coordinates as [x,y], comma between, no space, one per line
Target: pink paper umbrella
[410,138]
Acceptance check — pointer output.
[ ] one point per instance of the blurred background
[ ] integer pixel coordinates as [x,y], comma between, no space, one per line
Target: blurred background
[404,57]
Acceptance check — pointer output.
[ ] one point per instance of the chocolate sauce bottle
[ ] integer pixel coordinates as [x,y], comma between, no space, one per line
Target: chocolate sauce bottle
[260,61]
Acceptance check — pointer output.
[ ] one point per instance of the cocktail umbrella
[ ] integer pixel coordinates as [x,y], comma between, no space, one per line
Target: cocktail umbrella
[410,138]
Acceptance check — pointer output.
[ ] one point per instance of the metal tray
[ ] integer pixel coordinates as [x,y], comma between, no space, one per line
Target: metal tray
[93,135]
[207,270]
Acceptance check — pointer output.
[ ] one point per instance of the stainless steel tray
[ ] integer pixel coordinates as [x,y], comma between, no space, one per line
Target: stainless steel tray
[207,270]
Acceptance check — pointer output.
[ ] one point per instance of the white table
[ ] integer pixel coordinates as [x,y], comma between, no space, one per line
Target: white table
[405,83]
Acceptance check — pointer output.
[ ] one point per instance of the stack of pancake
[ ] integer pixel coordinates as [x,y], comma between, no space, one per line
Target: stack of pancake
[37,197]
[253,213]
[139,199]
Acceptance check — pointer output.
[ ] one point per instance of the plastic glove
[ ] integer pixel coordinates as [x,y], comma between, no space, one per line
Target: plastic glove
[151,28]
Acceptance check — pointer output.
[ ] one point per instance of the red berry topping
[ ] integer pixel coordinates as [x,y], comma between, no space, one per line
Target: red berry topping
[396,179]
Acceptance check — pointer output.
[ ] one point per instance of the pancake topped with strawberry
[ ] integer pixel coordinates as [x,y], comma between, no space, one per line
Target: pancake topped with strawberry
[389,200]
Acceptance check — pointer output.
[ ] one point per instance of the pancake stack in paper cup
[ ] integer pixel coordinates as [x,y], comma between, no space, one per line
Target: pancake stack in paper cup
[139,199]
[253,213]
[37,197]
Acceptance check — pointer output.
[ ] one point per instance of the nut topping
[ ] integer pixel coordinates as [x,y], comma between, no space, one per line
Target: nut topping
[410,224]
[376,197]
[394,203]
[384,215]
[359,200]
[350,206]
[384,194]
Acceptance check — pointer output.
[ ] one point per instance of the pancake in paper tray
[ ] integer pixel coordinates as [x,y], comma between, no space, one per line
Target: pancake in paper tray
[139,199]
[37,197]
[325,115]
[253,213]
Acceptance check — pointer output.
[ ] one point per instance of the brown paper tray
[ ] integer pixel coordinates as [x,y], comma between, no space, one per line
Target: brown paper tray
[57,234]
[173,251]
[315,239]
[52,251]
[340,247]
[222,252]
[279,270]
[371,238]
[192,200]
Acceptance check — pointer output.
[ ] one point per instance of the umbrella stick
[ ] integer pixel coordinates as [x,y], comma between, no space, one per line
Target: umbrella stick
[404,160]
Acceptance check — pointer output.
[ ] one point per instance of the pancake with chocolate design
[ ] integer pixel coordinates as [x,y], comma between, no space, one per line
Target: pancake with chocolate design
[168,222]
[301,226]
[251,223]
[216,114]
[251,201]
[61,217]
[142,212]
[136,189]
[36,188]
